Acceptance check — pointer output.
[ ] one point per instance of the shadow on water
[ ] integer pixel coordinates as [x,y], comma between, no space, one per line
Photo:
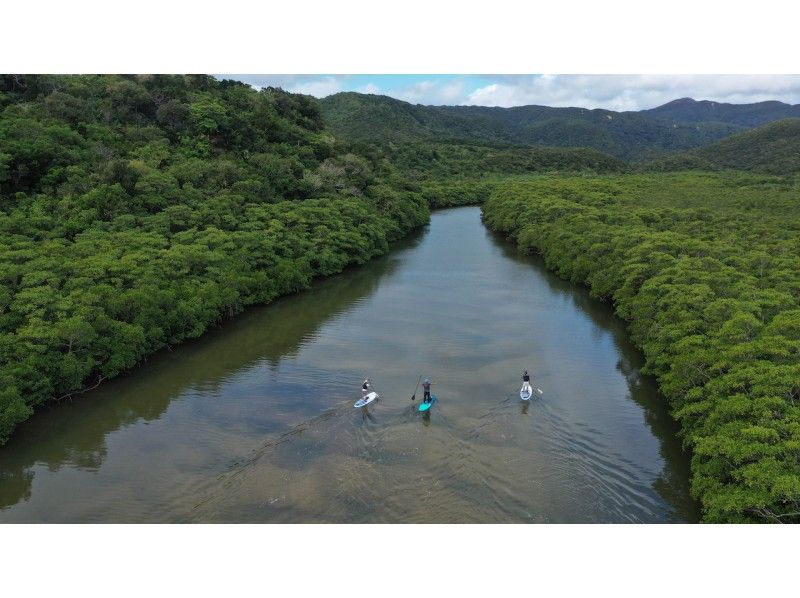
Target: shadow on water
[75,432]
[673,483]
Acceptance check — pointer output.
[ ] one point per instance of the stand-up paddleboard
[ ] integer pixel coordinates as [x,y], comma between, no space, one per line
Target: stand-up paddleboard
[524,393]
[425,406]
[366,399]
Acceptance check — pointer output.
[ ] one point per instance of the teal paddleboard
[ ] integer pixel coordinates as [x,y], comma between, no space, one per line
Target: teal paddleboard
[425,406]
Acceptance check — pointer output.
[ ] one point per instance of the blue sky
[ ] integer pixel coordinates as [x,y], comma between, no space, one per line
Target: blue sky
[614,92]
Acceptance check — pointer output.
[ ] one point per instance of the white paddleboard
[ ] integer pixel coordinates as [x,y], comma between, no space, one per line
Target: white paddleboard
[524,393]
[366,399]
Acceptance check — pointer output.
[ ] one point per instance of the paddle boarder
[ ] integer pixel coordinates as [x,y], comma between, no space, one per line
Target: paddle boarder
[426,391]
[365,387]
[526,382]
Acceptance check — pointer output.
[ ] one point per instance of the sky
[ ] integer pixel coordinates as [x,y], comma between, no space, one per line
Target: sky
[612,92]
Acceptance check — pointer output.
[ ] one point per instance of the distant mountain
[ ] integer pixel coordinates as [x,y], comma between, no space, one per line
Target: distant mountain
[626,135]
[687,110]
[773,148]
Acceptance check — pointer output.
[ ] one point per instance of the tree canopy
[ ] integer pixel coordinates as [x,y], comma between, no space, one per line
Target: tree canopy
[137,211]
[706,270]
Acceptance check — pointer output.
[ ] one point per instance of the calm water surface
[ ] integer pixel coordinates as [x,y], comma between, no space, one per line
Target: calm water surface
[254,422]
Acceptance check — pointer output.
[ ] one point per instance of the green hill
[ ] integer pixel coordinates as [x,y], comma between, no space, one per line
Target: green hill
[687,110]
[773,149]
[356,116]
[626,135]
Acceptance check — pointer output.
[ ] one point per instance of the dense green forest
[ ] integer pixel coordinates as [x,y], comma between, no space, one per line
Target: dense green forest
[453,174]
[773,149]
[137,211]
[634,136]
[706,270]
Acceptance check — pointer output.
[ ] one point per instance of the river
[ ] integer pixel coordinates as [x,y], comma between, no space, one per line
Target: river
[254,422]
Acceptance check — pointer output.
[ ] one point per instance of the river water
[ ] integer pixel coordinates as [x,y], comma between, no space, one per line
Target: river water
[254,422]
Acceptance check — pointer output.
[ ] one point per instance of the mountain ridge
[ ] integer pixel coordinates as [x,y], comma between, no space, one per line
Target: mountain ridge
[689,110]
[679,125]
[773,148]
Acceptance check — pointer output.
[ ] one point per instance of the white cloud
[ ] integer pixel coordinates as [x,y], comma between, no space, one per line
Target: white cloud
[632,92]
[416,93]
[432,92]
[318,88]
[369,88]
[451,93]
[613,92]
[315,85]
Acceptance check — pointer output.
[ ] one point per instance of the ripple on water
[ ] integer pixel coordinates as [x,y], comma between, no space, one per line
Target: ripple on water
[255,423]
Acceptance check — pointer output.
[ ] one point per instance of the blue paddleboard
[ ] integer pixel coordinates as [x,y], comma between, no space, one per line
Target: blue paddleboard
[425,406]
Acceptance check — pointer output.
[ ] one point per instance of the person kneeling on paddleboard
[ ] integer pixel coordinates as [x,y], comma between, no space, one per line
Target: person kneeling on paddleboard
[526,382]
[426,391]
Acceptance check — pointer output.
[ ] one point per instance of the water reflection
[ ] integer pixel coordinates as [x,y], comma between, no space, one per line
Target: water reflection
[673,483]
[73,433]
[255,421]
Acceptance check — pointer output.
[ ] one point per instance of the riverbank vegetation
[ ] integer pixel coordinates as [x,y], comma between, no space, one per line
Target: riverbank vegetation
[457,174]
[138,211]
[706,270]
[135,212]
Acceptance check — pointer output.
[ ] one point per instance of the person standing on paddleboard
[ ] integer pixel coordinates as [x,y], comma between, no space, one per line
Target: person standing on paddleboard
[365,387]
[526,381]
[426,391]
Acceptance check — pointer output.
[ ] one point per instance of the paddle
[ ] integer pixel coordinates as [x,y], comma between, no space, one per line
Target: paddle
[414,396]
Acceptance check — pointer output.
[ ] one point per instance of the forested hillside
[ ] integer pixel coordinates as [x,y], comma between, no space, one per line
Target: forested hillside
[626,135]
[687,110]
[706,270]
[771,149]
[137,211]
